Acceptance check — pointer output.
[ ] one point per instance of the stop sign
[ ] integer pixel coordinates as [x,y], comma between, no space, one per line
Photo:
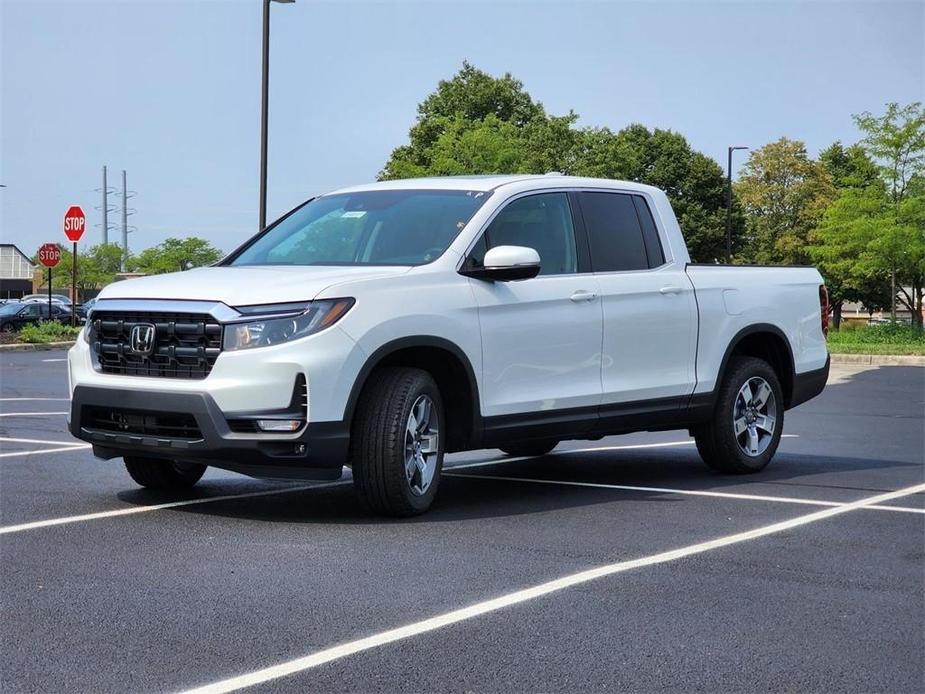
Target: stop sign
[49,254]
[74,223]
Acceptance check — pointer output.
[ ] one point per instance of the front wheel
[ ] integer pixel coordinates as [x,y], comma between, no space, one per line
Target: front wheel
[748,420]
[164,475]
[8,328]
[398,442]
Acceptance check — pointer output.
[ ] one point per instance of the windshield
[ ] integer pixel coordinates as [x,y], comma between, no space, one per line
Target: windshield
[382,227]
[9,309]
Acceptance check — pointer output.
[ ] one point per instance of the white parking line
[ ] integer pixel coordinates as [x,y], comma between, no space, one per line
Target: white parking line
[686,492]
[34,525]
[521,596]
[61,443]
[98,515]
[49,360]
[33,399]
[75,447]
[30,414]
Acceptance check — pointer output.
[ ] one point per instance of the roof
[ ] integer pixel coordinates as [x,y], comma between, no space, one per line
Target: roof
[16,250]
[491,182]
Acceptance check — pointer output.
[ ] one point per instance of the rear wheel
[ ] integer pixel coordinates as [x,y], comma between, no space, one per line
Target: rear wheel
[747,423]
[398,442]
[530,448]
[166,475]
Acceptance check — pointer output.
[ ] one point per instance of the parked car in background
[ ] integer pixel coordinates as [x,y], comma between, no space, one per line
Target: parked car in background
[14,316]
[86,307]
[55,298]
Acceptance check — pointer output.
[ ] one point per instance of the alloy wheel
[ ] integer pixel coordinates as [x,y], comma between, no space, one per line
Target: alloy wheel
[422,439]
[754,416]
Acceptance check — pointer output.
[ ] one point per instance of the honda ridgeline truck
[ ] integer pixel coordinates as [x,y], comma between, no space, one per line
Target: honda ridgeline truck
[384,325]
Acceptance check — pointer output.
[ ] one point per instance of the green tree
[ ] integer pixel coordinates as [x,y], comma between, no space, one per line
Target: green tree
[174,255]
[478,124]
[867,237]
[850,169]
[784,194]
[694,183]
[896,142]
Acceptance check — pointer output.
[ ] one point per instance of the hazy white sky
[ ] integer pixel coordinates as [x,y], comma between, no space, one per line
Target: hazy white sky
[169,91]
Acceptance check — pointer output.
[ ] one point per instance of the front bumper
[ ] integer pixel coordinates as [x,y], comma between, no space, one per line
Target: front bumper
[318,452]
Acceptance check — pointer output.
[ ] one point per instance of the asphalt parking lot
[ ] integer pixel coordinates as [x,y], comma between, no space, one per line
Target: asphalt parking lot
[620,564]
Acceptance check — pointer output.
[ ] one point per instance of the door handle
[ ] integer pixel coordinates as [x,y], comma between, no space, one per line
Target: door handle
[582,295]
[670,289]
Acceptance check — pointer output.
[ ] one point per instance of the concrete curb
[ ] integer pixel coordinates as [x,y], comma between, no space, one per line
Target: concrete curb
[35,347]
[878,359]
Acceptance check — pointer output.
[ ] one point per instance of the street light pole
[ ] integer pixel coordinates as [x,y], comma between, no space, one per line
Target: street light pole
[264,99]
[729,203]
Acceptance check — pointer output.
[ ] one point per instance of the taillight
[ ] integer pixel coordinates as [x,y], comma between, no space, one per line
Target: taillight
[824,308]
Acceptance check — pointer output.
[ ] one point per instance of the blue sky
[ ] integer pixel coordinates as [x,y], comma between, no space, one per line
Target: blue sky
[169,91]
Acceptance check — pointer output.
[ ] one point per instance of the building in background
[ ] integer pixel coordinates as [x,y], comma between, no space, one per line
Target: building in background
[16,271]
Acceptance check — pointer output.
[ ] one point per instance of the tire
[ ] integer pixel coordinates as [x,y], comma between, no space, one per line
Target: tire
[384,446]
[720,447]
[8,328]
[164,475]
[529,448]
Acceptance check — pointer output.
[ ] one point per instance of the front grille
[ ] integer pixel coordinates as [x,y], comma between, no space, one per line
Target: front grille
[186,345]
[166,425]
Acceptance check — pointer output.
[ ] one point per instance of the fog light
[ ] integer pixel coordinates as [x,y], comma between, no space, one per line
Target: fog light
[280,425]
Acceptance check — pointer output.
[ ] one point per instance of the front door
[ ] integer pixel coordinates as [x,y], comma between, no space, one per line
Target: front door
[541,337]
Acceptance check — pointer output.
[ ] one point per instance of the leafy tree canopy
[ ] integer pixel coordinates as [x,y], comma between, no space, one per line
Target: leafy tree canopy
[849,167]
[174,255]
[478,124]
[784,194]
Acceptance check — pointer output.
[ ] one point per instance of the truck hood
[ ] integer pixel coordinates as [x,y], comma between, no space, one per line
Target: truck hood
[243,286]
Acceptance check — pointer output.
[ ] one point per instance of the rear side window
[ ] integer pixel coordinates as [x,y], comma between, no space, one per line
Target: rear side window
[614,232]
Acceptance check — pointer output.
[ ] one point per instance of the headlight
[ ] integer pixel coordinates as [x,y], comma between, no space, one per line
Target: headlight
[276,330]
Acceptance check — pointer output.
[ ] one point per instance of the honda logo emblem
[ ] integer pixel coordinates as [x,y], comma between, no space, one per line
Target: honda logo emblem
[141,338]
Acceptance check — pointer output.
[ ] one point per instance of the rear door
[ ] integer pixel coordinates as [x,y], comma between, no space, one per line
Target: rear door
[649,308]
[541,337]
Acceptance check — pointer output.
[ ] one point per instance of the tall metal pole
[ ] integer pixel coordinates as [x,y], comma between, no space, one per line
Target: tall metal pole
[74,286]
[124,223]
[729,203]
[264,99]
[729,208]
[105,209]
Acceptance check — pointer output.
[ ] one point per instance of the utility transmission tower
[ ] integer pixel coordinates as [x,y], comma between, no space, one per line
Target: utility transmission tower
[126,229]
[105,209]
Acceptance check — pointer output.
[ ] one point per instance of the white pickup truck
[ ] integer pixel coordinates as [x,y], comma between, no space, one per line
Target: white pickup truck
[384,325]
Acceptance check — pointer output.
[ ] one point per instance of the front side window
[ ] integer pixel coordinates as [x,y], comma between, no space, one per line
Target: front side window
[542,222]
[381,227]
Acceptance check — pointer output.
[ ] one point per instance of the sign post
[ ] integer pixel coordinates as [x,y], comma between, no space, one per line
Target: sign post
[74,224]
[49,256]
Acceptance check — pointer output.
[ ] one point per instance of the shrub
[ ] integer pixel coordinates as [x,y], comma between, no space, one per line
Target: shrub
[48,331]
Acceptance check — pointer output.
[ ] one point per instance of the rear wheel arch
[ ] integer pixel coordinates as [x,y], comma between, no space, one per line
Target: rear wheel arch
[450,368]
[766,342]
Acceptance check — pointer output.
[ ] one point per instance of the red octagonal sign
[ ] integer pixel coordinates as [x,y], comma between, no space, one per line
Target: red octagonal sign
[49,254]
[74,223]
